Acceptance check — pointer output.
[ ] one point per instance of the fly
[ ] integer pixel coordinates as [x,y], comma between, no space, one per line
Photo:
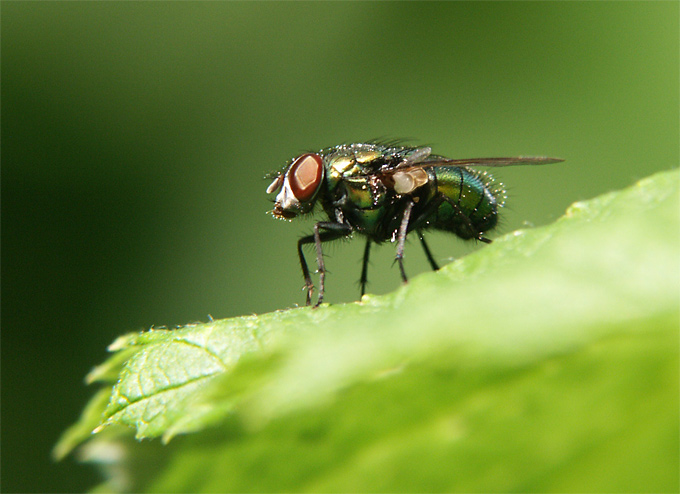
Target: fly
[386,191]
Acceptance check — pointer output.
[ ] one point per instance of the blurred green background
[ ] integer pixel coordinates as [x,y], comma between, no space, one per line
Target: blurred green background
[135,137]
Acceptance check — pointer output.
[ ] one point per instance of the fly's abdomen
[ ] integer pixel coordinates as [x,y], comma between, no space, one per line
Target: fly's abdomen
[476,196]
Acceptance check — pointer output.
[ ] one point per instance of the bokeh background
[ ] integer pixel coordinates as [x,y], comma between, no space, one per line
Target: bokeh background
[135,137]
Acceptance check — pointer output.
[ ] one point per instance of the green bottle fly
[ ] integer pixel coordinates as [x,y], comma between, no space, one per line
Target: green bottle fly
[384,191]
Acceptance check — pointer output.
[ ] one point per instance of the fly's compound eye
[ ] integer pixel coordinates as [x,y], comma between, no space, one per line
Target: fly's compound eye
[305,176]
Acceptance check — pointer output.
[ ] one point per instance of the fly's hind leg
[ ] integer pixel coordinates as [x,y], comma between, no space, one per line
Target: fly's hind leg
[476,234]
[425,215]
[364,267]
[428,253]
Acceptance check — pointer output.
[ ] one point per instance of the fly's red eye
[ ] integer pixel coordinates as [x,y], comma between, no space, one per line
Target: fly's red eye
[305,176]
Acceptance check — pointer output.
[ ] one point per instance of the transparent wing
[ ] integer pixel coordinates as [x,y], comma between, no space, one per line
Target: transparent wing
[434,161]
[492,162]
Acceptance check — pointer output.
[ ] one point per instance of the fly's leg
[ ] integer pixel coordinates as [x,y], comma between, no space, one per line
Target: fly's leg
[309,286]
[364,267]
[466,219]
[333,231]
[426,214]
[428,253]
[401,239]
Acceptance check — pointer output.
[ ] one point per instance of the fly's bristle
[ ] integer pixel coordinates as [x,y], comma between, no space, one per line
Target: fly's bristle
[499,192]
[280,214]
[494,186]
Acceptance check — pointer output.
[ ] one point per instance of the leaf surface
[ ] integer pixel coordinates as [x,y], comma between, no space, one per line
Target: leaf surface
[547,361]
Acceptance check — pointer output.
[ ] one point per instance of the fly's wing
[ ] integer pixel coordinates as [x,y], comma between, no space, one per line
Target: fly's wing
[498,162]
[428,161]
[492,162]
[409,176]
[415,157]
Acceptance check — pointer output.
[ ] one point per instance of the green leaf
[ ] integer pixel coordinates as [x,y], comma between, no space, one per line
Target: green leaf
[547,361]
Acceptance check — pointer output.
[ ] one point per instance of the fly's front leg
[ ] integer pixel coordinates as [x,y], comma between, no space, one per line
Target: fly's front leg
[401,239]
[320,264]
[332,231]
[309,286]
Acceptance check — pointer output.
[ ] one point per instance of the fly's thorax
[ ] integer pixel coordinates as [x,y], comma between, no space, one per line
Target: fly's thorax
[361,200]
[347,161]
[298,186]
[364,192]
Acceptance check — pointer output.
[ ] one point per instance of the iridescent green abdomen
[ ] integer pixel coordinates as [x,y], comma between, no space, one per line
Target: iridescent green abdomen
[475,195]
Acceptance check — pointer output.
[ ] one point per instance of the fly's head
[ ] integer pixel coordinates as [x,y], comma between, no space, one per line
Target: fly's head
[298,186]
